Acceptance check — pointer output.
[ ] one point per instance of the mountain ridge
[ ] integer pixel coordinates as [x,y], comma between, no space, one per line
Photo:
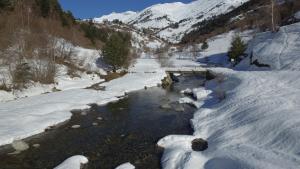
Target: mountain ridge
[171,21]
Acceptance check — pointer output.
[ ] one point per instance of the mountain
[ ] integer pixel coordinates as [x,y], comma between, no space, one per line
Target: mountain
[171,21]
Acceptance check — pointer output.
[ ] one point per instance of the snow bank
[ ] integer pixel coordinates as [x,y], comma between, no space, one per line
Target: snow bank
[29,116]
[74,162]
[126,166]
[256,126]
[279,50]
[63,82]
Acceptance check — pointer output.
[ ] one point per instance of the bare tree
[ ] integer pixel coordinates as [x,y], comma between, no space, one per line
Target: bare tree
[273,15]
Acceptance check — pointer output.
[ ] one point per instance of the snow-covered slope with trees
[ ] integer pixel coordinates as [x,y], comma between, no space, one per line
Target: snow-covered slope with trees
[172,20]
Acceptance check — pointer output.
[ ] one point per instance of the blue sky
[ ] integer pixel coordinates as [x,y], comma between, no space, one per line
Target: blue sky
[85,9]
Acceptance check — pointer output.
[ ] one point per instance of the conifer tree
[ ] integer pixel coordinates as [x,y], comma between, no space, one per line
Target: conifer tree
[116,50]
[237,48]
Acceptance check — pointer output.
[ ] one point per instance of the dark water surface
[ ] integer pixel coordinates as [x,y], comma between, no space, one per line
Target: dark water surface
[128,132]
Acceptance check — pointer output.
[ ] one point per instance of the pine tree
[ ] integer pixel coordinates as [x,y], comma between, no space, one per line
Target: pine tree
[237,48]
[116,50]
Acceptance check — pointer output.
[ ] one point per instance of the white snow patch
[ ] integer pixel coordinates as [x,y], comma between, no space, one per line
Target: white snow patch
[126,166]
[74,162]
[201,93]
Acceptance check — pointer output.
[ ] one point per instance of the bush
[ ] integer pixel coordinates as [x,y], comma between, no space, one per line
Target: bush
[204,45]
[4,86]
[117,49]
[21,75]
[44,72]
[237,49]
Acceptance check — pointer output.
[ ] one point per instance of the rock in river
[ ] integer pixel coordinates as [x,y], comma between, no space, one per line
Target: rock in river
[199,144]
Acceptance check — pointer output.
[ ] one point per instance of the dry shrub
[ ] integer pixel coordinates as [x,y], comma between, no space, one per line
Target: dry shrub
[4,86]
[20,74]
[44,72]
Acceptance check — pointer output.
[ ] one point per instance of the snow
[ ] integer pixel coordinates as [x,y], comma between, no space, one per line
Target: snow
[257,125]
[126,166]
[83,58]
[297,15]
[74,162]
[124,17]
[201,93]
[219,45]
[29,116]
[63,82]
[279,50]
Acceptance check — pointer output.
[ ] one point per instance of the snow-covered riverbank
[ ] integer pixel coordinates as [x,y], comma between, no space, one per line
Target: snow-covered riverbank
[29,116]
[257,124]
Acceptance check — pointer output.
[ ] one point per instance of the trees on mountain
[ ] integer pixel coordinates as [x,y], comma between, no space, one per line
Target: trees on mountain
[117,49]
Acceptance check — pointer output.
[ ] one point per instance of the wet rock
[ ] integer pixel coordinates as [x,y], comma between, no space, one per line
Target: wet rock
[75,126]
[99,118]
[167,81]
[95,124]
[199,144]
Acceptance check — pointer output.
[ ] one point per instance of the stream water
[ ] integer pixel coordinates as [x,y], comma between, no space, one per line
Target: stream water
[109,135]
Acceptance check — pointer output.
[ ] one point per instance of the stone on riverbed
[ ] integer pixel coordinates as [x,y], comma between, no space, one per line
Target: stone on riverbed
[95,124]
[199,144]
[76,126]
[19,146]
[99,118]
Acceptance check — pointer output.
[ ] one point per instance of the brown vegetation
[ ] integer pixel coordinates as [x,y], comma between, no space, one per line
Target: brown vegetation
[33,39]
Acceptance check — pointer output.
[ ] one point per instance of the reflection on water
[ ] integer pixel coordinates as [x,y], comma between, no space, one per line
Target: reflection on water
[128,132]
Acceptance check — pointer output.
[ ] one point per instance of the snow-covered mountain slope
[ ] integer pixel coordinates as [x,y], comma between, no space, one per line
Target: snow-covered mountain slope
[172,20]
[124,17]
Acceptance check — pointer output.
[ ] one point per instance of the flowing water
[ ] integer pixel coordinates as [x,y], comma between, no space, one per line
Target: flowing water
[109,135]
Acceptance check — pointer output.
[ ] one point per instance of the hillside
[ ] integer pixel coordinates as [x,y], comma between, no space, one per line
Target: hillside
[45,49]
